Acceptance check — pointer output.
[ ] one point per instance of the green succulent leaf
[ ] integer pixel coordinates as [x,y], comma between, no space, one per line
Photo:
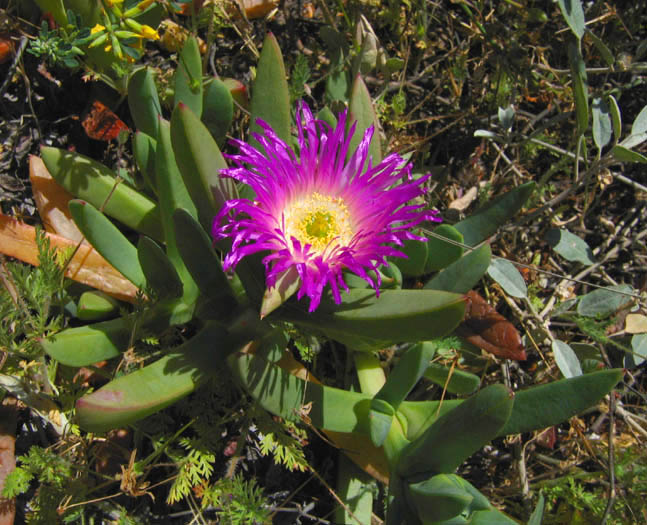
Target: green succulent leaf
[84,345]
[380,418]
[454,381]
[446,444]
[91,181]
[284,395]
[462,275]
[546,405]
[406,373]
[217,109]
[160,273]
[485,221]
[106,238]
[270,93]
[199,161]
[414,264]
[201,260]
[365,322]
[173,195]
[144,148]
[441,253]
[143,102]
[362,113]
[438,498]
[188,77]
[96,306]
[134,396]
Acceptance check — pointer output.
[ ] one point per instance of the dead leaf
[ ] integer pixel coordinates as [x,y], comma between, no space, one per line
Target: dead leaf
[636,324]
[87,266]
[462,203]
[51,200]
[484,327]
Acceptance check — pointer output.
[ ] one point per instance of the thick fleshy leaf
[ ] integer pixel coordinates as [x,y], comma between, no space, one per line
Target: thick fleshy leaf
[365,322]
[438,498]
[172,195]
[144,151]
[445,444]
[485,221]
[284,288]
[414,264]
[406,373]
[380,419]
[441,253]
[354,487]
[284,394]
[362,113]
[200,161]
[143,101]
[159,271]
[463,274]
[84,345]
[152,388]
[217,109]
[201,260]
[96,306]
[270,94]
[188,77]
[91,181]
[454,381]
[550,404]
[106,238]
[537,516]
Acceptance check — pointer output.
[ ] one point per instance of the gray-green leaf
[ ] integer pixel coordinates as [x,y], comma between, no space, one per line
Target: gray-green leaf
[570,246]
[506,274]
[566,359]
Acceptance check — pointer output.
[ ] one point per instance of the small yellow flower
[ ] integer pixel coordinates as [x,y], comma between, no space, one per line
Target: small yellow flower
[113,2]
[149,32]
[97,29]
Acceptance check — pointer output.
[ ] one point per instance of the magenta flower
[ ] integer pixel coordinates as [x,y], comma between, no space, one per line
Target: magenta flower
[320,214]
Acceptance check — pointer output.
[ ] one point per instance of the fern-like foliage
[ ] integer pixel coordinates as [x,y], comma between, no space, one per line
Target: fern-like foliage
[283,440]
[195,468]
[241,502]
[56,477]
[31,304]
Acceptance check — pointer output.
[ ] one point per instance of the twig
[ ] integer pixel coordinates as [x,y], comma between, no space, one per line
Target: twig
[14,65]
[612,474]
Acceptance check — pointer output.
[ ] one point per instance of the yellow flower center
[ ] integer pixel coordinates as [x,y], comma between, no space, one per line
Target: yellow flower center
[320,221]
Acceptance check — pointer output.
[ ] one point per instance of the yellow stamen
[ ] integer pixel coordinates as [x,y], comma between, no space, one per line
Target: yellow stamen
[319,220]
[96,29]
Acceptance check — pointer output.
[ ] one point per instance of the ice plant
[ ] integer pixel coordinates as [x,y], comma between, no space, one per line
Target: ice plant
[320,213]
